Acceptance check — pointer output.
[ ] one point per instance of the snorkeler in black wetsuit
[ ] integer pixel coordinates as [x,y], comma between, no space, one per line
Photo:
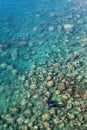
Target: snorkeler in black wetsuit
[54,104]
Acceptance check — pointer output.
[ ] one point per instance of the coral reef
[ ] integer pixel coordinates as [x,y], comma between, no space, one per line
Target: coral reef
[43,56]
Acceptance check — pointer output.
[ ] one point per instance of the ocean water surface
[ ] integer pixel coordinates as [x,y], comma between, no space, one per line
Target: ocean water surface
[43,58]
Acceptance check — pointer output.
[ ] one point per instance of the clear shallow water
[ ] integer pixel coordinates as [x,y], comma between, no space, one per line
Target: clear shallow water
[43,53]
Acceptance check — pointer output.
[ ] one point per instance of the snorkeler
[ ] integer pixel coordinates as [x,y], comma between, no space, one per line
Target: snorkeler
[55,103]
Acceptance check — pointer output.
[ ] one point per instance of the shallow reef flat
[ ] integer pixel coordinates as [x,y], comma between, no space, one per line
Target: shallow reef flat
[43,54]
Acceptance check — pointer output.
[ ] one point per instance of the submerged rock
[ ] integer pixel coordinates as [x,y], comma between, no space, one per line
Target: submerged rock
[50,83]
[68,27]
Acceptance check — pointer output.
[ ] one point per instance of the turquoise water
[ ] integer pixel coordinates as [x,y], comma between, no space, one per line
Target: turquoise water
[43,54]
